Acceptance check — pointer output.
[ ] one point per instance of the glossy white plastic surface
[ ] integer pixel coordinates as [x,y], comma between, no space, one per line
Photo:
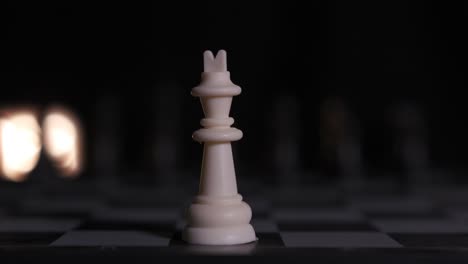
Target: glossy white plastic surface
[217,216]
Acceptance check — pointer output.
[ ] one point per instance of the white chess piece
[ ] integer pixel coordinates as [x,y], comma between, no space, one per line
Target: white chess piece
[217,216]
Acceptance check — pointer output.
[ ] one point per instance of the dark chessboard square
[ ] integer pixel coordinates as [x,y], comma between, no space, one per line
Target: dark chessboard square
[420,226]
[148,197]
[161,228]
[269,240]
[260,214]
[407,214]
[177,239]
[338,239]
[264,240]
[317,197]
[264,225]
[27,239]
[459,214]
[75,206]
[311,202]
[65,207]
[393,205]
[452,196]
[51,214]
[34,224]
[56,208]
[261,207]
[432,240]
[137,215]
[98,238]
[325,226]
[184,247]
[333,214]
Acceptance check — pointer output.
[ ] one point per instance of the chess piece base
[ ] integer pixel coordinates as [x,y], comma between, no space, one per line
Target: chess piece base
[219,221]
[228,235]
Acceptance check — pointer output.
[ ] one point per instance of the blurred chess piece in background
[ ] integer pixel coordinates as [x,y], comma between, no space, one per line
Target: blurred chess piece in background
[63,140]
[108,138]
[22,138]
[286,128]
[166,138]
[410,147]
[340,144]
[20,142]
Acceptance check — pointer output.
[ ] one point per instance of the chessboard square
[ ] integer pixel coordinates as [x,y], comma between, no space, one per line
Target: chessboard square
[61,207]
[110,238]
[156,227]
[397,205]
[260,225]
[142,215]
[339,239]
[181,224]
[307,198]
[267,239]
[264,239]
[325,226]
[432,240]
[415,226]
[23,224]
[27,239]
[264,226]
[459,214]
[340,214]
[407,215]
[259,205]
[260,214]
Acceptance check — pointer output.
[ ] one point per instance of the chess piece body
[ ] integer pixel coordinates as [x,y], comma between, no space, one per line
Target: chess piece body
[217,216]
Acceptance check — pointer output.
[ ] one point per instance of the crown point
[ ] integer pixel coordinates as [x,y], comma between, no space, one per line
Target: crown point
[221,60]
[214,64]
[208,55]
[208,61]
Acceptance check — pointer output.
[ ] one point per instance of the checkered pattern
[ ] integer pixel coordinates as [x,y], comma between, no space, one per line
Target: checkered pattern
[282,220]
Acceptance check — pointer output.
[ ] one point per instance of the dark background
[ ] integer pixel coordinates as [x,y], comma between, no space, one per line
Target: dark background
[146,58]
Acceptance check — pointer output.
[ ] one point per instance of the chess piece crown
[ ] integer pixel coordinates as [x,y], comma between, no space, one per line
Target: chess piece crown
[216,91]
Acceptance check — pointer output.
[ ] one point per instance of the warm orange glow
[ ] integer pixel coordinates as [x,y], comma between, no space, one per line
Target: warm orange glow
[62,141]
[20,144]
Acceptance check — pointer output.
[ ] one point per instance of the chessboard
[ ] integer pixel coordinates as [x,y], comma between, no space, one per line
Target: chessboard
[82,222]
